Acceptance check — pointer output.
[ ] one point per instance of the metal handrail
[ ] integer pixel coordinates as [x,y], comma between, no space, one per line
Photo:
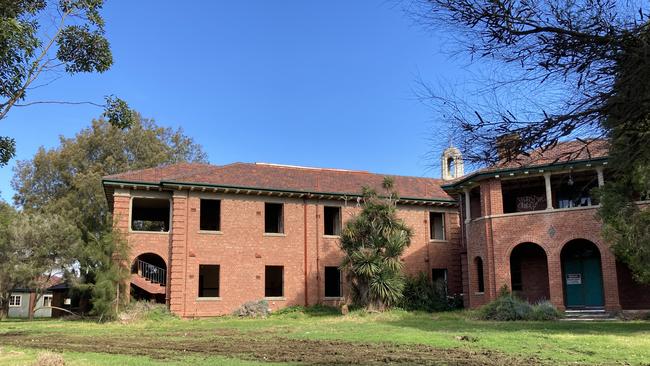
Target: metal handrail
[152,273]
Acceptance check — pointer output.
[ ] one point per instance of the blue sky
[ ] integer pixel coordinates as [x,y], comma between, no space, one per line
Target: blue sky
[293,82]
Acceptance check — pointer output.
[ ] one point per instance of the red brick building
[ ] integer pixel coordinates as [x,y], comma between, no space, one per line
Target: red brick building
[205,239]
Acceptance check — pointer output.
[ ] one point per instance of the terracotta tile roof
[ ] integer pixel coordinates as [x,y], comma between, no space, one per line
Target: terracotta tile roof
[284,178]
[563,152]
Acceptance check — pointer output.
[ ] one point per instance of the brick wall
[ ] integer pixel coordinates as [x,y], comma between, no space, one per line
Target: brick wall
[242,249]
[633,295]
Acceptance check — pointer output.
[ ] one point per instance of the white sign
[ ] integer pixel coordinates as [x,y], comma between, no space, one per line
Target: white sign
[574,279]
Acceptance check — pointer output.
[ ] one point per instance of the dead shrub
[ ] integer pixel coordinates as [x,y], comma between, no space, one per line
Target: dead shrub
[253,309]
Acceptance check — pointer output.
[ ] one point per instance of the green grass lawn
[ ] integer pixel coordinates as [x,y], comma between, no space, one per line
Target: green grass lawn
[295,338]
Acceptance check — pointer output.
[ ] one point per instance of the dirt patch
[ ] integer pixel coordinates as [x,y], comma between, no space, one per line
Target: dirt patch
[263,347]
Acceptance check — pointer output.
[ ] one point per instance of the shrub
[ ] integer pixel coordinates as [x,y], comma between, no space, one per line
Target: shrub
[253,309]
[544,310]
[49,359]
[505,308]
[508,307]
[423,295]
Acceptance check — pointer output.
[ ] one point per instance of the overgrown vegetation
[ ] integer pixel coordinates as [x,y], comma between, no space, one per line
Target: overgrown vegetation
[373,243]
[508,307]
[144,310]
[422,294]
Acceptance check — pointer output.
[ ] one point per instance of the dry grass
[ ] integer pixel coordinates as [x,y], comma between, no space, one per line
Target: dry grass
[49,359]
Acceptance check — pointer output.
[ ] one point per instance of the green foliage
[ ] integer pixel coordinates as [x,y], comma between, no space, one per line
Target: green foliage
[7,149]
[67,180]
[253,309]
[118,112]
[76,44]
[626,224]
[373,243]
[508,307]
[423,295]
[109,254]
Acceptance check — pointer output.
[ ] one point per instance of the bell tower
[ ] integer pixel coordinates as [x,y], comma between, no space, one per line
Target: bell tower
[452,164]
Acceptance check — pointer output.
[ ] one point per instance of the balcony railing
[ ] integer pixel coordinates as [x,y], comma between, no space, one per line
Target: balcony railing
[152,273]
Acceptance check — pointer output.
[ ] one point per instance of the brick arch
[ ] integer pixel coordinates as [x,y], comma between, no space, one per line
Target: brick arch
[530,240]
[153,249]
[594,239]
[151,258]
[529,271]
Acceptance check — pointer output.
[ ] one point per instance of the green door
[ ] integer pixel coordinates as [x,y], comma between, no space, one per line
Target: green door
[583,281]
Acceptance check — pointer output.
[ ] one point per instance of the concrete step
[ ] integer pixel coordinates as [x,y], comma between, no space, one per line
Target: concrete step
[588,315]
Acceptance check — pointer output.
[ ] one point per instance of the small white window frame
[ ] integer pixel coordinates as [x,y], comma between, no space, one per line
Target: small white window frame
[13,303]
[47,298]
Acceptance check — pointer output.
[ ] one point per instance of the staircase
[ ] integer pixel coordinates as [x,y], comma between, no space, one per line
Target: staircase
[587,315]
[149,277]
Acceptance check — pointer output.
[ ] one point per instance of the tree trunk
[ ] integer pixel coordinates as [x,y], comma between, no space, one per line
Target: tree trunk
[4,307]
[32,305]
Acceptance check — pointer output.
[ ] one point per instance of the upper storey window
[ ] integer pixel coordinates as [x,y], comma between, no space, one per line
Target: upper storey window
[523,195]
[475,202]
[436,226]
[150,214]
[332,220]
[273,218]
[573,189]
[210,215]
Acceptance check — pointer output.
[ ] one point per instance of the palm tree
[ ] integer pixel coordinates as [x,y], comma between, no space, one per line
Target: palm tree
[373,243]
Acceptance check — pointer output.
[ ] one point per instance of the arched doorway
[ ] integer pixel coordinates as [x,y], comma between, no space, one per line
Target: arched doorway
[149,278]
[582,275]
[529,272]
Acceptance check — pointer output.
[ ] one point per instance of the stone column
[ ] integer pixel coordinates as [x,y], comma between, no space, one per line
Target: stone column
[468,210]
[549,193]
[601,176]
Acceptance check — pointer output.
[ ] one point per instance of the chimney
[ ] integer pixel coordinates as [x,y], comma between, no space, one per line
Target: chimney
[508,146]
